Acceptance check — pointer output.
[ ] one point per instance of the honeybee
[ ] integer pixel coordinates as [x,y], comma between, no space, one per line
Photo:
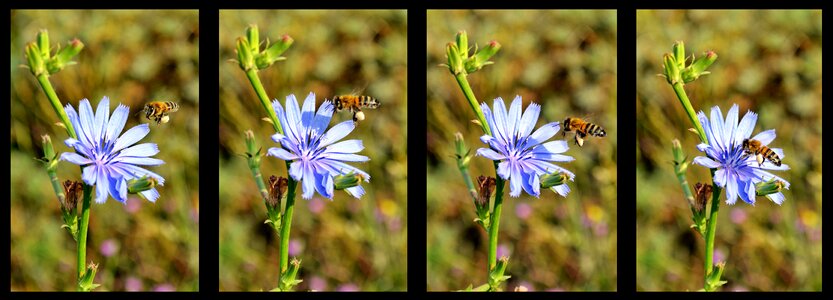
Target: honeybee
[582,129]
[159,110]
[760,151]
[354,104]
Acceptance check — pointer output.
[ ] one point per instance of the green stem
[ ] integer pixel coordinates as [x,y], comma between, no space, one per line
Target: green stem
[469,183]
[711,229]
[82,232]
[475,106]
[264,193]
[681,95]
[43,79]
[264,100]
[286,222]
[494,223]
[56,186]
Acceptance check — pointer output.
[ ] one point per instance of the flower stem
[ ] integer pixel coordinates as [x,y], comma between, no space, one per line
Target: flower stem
[56,186]
[464,170]
[711,229]
[264,193]
[43,79]
[494,223]
[286,222]
[264,100]
[82,233]
[475,106]
[681,95]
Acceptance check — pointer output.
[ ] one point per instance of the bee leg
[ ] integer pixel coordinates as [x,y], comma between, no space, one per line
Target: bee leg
[760,159]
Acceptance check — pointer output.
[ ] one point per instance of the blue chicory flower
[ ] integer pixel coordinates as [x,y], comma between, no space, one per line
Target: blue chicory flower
[523,156]
[108,160]
[316,157]
[737,172]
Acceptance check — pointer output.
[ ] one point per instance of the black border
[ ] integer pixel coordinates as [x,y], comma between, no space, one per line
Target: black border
[209,26]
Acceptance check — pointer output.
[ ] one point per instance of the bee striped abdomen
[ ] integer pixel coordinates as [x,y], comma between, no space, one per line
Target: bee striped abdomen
[771,156]
[595,130]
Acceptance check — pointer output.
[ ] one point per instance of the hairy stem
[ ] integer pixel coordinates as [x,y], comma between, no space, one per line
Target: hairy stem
[681,95]
[43,79]
[475,106]
[56,186]
[711,229]
[264,100]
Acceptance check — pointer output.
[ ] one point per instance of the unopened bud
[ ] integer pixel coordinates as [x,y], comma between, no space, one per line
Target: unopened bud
[481,58]
[553,179]
[346,181]
[138,185]
[679,54]
[455,60]
[769,187]
[672,70]
[244,55]
[699,67]
[43,43]
[35,59]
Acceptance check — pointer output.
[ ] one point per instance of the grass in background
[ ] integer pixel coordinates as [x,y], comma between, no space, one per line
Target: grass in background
[132,57]
[346,244]
[565,61]
[769,62]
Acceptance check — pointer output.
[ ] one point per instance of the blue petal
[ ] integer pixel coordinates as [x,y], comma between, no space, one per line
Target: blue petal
[542,134]
[552,147]
[102,115]
[89,174]
[529,118]
[731,189]
[348,146]
[704,121]
[86,118]
[296,170]
[322,117]
[286,142]
[717,128]
[765,137]
[490,154]
[490,119]
[778,198]
[562,190]
[131,136]
[116,123]
[531,184]
[136,172]
[102,187]
[744,192]
[324,185]
[75,158]
[308,182]
[720,178]
[730,126]
[706,162]
[356,191]
[747,125]
[139,161]
[151,195]
[501,124]
[308,111]
[345,157]
[495,144]
[293,118]
[515,181]
[553,157]
[337,132]
[514,117]
[503,170]
[118,189]
[141,150]
[337,167]
[282,154]
[542,167]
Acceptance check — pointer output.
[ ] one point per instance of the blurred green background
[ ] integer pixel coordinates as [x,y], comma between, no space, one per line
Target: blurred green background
[344,244]
[132,57]
[768,62]
[565,61]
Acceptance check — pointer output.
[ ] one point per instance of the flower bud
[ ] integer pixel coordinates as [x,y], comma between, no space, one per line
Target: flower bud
[288,280]
[346,181]
[277,191]
[679,156]
[769,187]
[33,56]
[253,39]
[253,153]
[43,43]
[553,179]
[679,54]
[496,276]
[463,44]
[138,185]
[481,57]
[244,55]
[698,67]
[48,150]
[672,70]
[85,283]
[64,56]
[460,151]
